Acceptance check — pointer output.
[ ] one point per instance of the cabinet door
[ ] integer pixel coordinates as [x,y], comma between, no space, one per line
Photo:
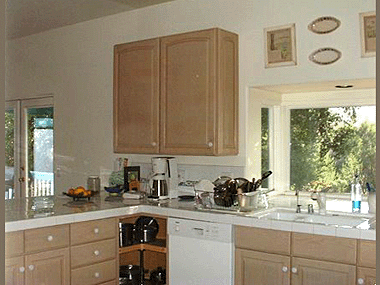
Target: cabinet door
[50,267]
[136,97]
[254,267]
[14,271]
[366,276]
[314,272]
[188,86]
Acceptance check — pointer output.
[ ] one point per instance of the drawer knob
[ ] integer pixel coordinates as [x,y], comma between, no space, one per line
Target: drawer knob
[22,269]
[284,269]
[50,238]
[31,267]
[210,144]
[96,230]
[97,252]
[360,281]
[294,270]
[154,143]
[97,274]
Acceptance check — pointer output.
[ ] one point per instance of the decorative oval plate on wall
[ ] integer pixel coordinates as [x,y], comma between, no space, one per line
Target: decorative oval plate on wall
[324,25]
[325,56]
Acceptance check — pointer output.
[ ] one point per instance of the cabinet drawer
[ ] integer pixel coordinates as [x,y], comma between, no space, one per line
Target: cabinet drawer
[94,274]
[46,238]
[14,243]
[85,232]
[265,240]
[93,252]
[326,248]
[367,253]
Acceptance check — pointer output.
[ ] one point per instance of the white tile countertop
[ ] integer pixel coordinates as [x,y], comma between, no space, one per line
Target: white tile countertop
[28,213]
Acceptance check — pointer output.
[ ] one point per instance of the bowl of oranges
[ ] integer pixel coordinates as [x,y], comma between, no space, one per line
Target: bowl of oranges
[79,193]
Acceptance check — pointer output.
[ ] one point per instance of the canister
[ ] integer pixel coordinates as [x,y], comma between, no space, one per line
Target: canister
[93,183]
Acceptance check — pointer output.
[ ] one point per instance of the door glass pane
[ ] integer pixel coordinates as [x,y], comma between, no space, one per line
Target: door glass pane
[40,139]
[9,153]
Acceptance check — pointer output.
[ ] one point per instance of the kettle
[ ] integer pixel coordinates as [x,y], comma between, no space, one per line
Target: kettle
[158,186]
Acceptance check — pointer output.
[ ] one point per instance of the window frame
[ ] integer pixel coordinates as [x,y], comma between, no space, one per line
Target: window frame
[281,115]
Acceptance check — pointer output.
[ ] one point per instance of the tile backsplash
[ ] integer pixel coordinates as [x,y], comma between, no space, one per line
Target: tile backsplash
[198,172]
[186,172]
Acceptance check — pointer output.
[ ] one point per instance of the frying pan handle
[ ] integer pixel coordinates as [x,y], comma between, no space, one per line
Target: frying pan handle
[266,174]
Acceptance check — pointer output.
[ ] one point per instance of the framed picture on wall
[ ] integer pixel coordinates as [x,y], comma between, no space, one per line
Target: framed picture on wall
[132,178]
[368,33]
[280,46]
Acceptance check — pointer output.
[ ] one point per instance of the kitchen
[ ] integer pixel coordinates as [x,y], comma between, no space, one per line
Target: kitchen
[78,71]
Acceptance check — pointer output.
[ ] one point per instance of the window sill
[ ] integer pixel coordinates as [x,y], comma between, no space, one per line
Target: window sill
[334,202]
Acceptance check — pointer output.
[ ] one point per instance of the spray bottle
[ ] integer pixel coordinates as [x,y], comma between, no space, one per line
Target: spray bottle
[356,194]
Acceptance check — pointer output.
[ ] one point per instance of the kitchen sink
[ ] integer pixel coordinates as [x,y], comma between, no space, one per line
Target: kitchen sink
[342,220]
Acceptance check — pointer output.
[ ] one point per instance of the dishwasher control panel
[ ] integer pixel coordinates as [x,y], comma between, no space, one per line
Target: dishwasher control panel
[200,229]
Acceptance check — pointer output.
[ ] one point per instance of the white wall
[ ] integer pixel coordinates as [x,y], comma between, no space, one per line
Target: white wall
[75,64]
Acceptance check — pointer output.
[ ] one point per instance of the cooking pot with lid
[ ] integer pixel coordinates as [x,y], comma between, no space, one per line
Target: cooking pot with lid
[146,229]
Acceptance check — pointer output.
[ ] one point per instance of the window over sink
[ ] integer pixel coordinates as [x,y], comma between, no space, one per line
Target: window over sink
[320,140]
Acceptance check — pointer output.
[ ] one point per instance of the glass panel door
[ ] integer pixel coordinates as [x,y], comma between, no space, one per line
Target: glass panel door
[32,143]
[11,144]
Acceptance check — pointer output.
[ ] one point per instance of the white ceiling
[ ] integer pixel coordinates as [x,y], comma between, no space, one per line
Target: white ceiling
[26,17]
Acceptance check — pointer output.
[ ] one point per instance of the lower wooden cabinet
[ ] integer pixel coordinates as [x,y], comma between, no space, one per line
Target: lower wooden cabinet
[49,267]
[366,276]
[306,260]
[43,256]
[253,267]
[94,251]
[14,270]
[315,272]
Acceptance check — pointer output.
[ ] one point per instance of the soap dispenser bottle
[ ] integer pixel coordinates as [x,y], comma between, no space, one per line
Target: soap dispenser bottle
[356,194]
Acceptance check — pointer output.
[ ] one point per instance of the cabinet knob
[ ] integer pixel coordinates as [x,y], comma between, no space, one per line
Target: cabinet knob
[96,230]
[154,143]
[31,267]
[97,274]
[284,269]
[22,269]
[210,144]
[97,252]
[294,270]
[360,281]
[50,238]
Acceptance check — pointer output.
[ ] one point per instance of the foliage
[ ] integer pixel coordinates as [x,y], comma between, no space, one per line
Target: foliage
[328,149]
[264,143]
[33,114]
[9,138]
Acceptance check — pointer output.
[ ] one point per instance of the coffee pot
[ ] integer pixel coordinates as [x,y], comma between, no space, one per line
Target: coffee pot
[164,181]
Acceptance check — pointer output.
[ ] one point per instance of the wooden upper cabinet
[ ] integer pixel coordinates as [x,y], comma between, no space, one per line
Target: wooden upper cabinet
[177,94]
[136,97]
[199,93]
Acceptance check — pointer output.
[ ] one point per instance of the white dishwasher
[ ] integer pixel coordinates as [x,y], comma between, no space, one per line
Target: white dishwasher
[200,253]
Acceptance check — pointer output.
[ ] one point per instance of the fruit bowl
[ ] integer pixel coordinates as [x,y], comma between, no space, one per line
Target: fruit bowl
[79,193]
[114,190]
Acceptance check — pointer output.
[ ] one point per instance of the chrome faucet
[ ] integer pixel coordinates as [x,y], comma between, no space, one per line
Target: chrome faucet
[298,209]
[320,197]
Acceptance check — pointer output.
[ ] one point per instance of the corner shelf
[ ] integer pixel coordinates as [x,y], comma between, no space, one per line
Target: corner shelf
[159,245]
